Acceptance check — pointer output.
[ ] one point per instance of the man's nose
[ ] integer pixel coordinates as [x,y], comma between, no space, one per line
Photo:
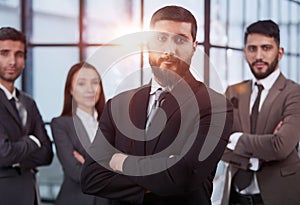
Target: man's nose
[170,48]
[12,59]
[259,54]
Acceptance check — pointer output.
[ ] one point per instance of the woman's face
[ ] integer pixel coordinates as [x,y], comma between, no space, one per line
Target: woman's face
[85,89]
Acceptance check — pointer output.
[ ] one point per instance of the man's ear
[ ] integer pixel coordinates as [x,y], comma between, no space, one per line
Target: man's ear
[280,53]
[195,44]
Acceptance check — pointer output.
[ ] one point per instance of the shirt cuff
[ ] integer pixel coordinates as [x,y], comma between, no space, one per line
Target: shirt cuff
[36,140]
[254,164]
[233,139]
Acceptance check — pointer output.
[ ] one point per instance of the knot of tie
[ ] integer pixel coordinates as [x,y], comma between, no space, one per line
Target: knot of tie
[259,86]
[160,95]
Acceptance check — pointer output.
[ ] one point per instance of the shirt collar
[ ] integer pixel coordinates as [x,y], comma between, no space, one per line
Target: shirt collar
[8,94]
[85,116]
[268,81]
[155,86]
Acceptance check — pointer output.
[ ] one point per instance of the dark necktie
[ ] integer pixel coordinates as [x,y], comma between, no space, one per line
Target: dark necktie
[13,103]
[243,178]
[255,107]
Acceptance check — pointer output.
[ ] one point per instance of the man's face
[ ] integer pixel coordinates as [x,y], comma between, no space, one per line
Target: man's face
[171,48]
[262,55]
[12,60]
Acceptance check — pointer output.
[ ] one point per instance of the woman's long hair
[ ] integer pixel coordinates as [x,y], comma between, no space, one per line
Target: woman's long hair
[69,107]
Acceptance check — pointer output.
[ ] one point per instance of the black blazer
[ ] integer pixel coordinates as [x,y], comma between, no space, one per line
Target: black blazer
[198,122]
[69,135]
[18,185]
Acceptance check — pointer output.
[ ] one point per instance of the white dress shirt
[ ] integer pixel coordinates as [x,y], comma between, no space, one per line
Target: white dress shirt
[154,87]
[89,122]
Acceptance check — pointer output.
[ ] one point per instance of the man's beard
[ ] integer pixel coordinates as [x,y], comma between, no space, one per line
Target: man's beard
[270,69]
[8,78]
[165,77]
[168,77]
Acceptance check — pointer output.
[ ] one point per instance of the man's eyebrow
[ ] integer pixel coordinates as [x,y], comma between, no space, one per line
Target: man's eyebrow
[4,50]
[183,35]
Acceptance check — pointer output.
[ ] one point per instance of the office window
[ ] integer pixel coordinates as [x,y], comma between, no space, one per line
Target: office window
[235,24]
[218,28]
[105,22]
[10,13]
[51,65]
[55,21]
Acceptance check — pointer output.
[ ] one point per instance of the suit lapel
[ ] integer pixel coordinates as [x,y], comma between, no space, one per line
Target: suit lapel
[244,104]
[266,107]
[21,97]
[9,107]
[138,107]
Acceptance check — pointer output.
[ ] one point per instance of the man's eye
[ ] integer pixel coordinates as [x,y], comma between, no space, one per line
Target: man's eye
[251,48]
[20,55]
[3,53]
[266,48]
[162,38]
[180,39]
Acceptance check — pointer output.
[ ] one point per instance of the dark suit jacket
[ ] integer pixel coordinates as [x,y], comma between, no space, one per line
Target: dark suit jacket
[198,121]
[279,175]
[18,185]
[69,135]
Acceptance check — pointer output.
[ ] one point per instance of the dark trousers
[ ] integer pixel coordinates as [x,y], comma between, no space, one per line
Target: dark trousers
[245,199]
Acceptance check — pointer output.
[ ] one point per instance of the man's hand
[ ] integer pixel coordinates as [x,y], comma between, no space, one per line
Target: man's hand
[116,161]
[277,128]
[78,156]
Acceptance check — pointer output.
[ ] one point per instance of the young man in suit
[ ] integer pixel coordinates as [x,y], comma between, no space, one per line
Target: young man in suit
[169,157]
[264,166]
[24,143]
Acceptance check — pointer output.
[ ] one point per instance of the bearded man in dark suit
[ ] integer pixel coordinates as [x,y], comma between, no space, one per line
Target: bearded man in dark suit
[160,144]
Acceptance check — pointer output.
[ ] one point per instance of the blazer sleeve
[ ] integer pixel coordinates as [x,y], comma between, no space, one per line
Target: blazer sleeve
[100,181]
[17,147]
[278,146]
[241,162]
[64,148]
[44,154]
[14,151]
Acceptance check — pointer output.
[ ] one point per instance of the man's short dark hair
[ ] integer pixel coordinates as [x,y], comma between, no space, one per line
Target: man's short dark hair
[265,27]
[175,13]
[9,33]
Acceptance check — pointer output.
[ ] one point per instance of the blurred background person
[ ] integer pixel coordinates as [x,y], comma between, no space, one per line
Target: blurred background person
[75,128]
[264,166]
[24,142]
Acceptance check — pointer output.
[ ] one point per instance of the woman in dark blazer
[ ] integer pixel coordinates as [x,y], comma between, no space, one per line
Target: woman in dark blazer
[75,129]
